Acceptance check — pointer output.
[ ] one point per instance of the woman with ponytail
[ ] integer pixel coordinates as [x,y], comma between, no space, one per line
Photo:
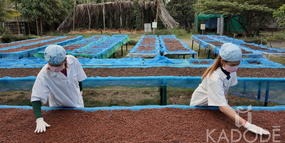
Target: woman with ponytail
[216,81]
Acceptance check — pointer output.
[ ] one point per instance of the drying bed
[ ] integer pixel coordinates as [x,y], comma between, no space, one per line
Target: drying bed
[147,125]
[158,71]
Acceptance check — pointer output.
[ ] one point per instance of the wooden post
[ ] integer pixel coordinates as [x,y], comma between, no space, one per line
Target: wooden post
[156,16]
[18,26]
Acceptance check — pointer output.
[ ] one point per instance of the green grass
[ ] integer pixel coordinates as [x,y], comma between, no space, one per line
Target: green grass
[276,58]
[180,33]
[272,36]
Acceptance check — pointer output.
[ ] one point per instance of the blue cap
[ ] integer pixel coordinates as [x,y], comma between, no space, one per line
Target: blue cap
[54,54]
[230,52]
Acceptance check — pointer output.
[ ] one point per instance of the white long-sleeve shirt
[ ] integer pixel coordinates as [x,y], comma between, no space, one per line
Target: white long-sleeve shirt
[212,90]
[57,89]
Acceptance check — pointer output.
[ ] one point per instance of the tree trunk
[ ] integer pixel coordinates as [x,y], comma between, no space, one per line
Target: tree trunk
[89,17]
[73,23]
[29,28]
[156,15]
[3,24]
[126,19]
[103,15]
[109,18]
[142,16]
[37,25]
[41,24]
[121,21]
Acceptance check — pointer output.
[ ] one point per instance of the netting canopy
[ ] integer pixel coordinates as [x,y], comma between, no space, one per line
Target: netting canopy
[119,14]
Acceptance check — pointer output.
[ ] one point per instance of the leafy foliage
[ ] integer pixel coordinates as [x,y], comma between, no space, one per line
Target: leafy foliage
[257,13]
[182,11]
[279,14]
[50,11]
[7,10]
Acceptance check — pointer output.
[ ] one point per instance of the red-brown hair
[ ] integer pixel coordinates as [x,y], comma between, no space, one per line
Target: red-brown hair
[213,67]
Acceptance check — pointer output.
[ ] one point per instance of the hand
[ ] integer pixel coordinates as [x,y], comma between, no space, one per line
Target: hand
[41,125]
[255,129]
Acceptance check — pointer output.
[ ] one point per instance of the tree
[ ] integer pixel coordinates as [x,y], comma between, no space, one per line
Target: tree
[279,15]
[47,14]
[7,10]
[255,12]
[182,11]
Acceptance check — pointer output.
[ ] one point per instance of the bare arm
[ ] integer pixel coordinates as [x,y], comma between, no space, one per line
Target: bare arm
[230,112]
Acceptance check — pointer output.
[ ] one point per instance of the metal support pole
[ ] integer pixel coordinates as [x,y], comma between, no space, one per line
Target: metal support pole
[205,51]
[259,90]
[192,46]
[209,53]
[266,94]
[244,87]
[199,49]
[163,95]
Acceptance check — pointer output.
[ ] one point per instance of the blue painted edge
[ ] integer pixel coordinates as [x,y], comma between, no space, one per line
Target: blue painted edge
[142,107]
[151,77]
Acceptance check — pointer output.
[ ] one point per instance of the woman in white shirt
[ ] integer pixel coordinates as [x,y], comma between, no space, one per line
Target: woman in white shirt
[216,81]
[59,83]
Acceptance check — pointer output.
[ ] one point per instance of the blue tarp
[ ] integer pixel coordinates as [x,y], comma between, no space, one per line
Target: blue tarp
[31,42]
[30,52]
[167,51]
[205,39]
[155,48]
[158,61]
[102,48]
[83,42]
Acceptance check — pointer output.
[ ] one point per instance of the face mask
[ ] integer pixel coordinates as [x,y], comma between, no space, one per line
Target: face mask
[56,69]
[230,68]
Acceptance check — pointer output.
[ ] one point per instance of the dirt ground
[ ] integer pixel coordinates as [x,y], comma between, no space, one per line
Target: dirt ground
[126,96]
[145,126]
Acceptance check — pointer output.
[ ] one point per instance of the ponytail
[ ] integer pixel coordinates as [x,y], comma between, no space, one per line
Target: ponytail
[211,69]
